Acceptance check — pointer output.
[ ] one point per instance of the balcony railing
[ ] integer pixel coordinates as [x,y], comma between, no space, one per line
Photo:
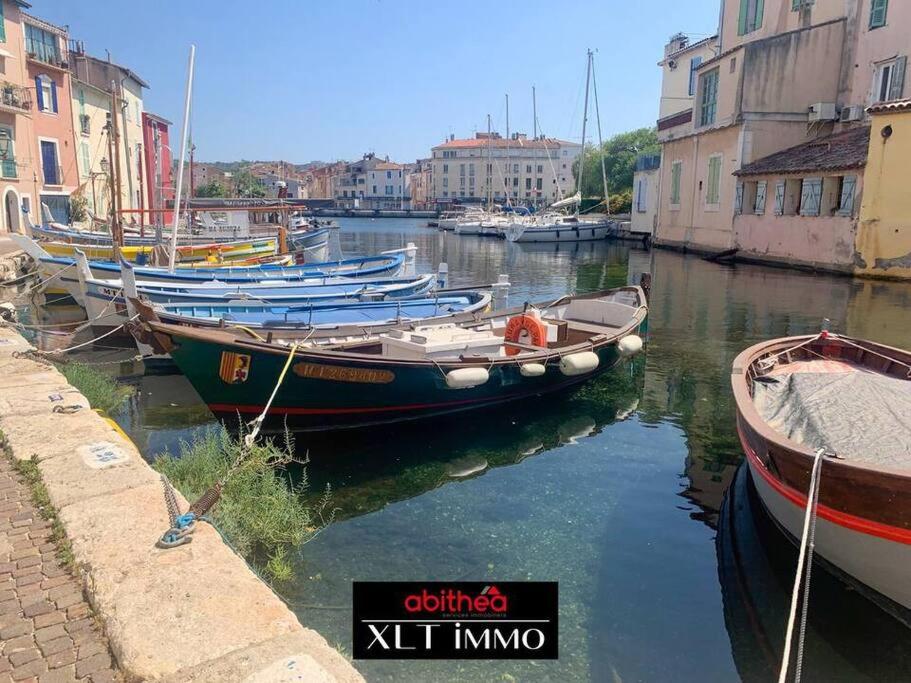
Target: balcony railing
[53,175]
[46,55]
[85,124]
[14,97]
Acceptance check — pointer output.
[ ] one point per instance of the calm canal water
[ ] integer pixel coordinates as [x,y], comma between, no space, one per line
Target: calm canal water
[615,491]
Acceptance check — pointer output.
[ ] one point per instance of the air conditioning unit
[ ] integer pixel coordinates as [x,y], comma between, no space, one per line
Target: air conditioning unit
[823,111]
[855,112]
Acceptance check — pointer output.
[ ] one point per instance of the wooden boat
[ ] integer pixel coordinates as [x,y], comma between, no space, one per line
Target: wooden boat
[205,254]
[853,398]
[346,378]
[308,239]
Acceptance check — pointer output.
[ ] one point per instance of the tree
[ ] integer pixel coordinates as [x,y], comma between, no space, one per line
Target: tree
[212,189]
[247,185]
[620,153]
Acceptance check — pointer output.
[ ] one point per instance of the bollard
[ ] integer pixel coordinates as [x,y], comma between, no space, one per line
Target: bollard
[501,292]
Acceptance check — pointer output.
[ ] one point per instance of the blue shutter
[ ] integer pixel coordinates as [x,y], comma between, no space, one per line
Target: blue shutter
[53,97]
[40,95]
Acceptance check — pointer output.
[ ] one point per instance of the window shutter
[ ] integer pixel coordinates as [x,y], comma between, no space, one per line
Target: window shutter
[694,64]
[53,97]
[39,93]
[848,188]
[2,25]
[795,5]
[878,13]
[738,199]
[898,79]
[779,198]
[759,208]
[742,22]
[759,7]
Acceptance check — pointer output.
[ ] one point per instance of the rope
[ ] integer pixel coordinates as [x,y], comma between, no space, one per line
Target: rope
[87,343]
[258,422]
[42,283]
[806,549]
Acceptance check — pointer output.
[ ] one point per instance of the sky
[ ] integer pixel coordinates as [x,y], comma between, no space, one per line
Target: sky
[304,80]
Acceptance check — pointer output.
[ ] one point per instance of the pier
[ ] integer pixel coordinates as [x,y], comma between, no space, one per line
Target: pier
[192,613]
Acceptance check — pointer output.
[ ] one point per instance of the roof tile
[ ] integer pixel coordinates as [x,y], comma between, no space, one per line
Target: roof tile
[843,150]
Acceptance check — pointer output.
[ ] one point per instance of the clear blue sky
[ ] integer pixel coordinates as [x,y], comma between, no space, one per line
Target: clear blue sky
[315,79]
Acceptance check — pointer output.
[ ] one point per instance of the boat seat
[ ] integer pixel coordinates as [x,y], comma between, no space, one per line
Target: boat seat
[590,314]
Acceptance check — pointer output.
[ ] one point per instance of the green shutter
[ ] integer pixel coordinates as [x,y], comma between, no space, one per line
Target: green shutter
[795,5]
[2,24]
[878,13]
[760,6]
[742,22]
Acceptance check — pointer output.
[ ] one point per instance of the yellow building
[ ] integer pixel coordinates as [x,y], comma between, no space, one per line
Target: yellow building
[884,230]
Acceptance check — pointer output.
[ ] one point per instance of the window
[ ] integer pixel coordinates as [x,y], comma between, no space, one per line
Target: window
[713,191]
[515,181]
[515,168]
[759,205]
[676,169]
[540,184]
[84,156]
[374,189]
[49,165]
[738,199]
[708,102]
[46,91]
[471,180]
[445,182]
[810,196]
[733,65]
[641,198]
[694,65]
[388,175]
[779,198]
[389,189]
[462,181]
[848,189]
[528,183]
[889,80]
[445,168]
[8,163]
[878,9]
[471,169]
[750,16]
[2,25]
[528,168]
[540,168]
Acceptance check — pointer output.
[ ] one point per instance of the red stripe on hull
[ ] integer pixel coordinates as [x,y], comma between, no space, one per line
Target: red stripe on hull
[231,408]
[842,519]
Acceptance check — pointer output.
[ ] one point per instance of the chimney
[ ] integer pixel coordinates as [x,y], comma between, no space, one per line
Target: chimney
[677,42]
[452,137]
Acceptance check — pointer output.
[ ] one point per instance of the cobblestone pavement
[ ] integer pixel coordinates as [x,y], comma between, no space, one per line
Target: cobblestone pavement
[47,632]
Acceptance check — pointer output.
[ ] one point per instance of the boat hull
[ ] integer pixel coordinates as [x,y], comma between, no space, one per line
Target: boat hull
[863,516]
[326,393]
[233,251]
[563,233]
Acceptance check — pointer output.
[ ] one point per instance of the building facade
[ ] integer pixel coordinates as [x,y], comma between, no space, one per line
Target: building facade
[55,172]
[519,170]
[644,211]
[94,82]
[782,73]
[158,180]
[372,183]
[420,180]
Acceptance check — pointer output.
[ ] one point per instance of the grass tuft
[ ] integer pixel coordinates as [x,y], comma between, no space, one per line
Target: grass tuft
[261,512]
[102,391]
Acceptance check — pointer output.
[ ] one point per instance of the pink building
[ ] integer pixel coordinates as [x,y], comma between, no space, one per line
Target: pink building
[159,184]
[55,174]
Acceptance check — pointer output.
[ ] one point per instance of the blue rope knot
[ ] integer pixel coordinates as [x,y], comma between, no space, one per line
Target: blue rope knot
[179,534]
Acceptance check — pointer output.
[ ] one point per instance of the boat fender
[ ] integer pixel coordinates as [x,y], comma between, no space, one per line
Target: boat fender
[579,363]
[465,378]
[525,329]
[630,345]
[532,369]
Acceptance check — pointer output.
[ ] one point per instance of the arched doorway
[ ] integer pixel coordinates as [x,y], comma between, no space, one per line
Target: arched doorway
[12,211]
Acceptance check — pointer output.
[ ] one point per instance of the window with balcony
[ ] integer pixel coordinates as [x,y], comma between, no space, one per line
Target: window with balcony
[708,101]
[750,16]
[41,45]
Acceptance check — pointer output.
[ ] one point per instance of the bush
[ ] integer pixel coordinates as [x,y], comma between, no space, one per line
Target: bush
[102,391]
[261,513]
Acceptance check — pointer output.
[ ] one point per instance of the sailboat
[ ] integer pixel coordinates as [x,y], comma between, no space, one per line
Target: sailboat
[552,225]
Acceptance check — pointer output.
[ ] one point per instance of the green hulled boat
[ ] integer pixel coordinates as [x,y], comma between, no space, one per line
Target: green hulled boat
[349,377]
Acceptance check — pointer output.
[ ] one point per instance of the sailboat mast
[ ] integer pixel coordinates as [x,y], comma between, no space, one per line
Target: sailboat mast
[489,168]
[534,127]
[183,152]
[588,74]
[600,141]
[508,161]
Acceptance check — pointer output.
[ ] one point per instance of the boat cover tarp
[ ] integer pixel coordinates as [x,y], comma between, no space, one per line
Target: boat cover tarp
[854,413]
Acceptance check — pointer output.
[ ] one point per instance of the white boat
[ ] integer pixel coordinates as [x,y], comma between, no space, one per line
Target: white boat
[560,228]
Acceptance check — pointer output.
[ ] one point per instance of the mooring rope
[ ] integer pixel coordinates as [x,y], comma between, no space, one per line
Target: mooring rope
[258,422]
[807,541]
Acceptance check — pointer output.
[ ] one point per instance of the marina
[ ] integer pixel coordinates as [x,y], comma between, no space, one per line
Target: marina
[630,474]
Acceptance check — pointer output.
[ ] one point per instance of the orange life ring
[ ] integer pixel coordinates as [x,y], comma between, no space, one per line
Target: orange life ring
[525,329]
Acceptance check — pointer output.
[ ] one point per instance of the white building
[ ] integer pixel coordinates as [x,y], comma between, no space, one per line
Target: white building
[644,212]
[372,183]
[525,171]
